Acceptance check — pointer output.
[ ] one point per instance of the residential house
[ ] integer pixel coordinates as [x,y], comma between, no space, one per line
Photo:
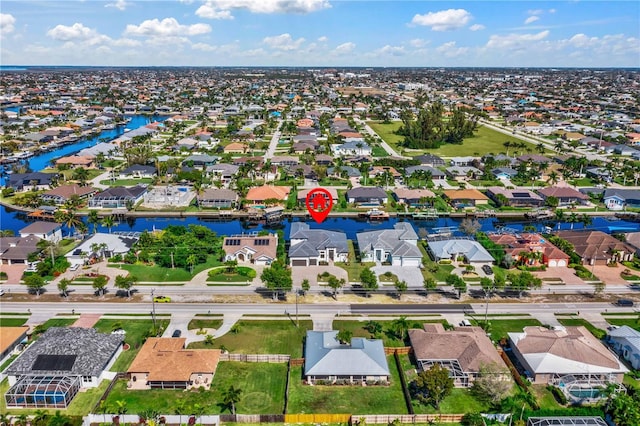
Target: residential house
[302,195]
[452,249]
[64,193]
[223,172]
[461,198]
[218,198]
[436,174]
[463,351]
[118,197]
[343,170]
[10,339]
[258,249]
[463,172]
[311,247]
[351,148]
[101,245]
[285,160]
[566,195]
[328,361]
[50,231]
[164,363]
[619,199]
[430,160]
[517,244]
[257,195]
[504,173]
[138,171]
[65,359]
[414,197]
[596,247]
[77,161]
[514,197]
[398,246]
[599,173]
[236,148]
[461,161]
[626,342]
[565,356]
[28,181]
[366,196]
[16,250]
[201,161]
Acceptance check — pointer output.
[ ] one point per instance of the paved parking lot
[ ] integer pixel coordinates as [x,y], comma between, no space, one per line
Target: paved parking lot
[411,274]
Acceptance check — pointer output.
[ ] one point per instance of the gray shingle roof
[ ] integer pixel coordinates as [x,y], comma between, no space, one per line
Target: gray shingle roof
[471,249]
[92,350]
[391,240]
[325,356]
[315,239]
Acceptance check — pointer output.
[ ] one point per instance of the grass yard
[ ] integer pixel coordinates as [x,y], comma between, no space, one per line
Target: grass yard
[631,322]
[219,275]
[197,324]
[12,322]
[500,327]
[484,141]
[137,332]
[264,337]
[460,401]
[443,270]
[126,182]
[54,322]
[545,398]
[262,386]
[388,336]
[353,268]
[599,333]
[161,274]
[346,399]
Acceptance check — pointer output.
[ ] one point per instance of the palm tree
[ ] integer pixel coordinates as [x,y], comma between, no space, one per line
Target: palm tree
[400,326]
[191,261]
[21,420]
[573,218]
[121,406]
[63,286]
[93,219]
[5,419]
[108,222]
[59,420]
[70,220]
[231,396]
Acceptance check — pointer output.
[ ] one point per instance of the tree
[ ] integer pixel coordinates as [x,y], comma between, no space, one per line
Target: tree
[231,265]
[401,287]
[39,417]
[457,283]
[373,327]
[470,226]
[93,219]
[59,420]
[63,286]
[231,396]
[472,419]
[305,285]
[433,385]
[344,336]
[121,406]
[430,284]
[108,222]
[491,385]
[191,261]
[125,283]
[368,279]
[277,278]
[335,284]
[400,327]
[100,284]
[35,283]
[209,339]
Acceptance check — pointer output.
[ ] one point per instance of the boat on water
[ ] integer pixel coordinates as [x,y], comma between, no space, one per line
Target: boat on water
[375,214]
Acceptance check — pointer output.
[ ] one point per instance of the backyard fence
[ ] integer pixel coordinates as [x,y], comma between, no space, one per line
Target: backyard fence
[104,396]
[317,418]
[400,351]
[252,418]
[297,362]
[255,358]
[132,419]
[408,418]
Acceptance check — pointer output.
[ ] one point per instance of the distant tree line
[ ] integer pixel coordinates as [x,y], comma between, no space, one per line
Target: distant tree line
[430,130]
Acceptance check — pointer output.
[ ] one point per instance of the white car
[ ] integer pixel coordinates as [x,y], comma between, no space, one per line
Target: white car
[74,267]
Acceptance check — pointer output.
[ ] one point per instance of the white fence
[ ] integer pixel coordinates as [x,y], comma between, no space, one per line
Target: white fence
[135,419]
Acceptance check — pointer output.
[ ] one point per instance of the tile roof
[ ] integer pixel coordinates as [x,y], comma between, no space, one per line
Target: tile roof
[265,192]
[9,336]
[464,194]
[314,240]
[66,191]
[594,244]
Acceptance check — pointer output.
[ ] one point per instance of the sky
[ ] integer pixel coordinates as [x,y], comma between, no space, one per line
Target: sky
[310,33]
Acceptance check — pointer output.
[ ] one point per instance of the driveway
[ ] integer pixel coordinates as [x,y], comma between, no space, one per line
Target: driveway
[14,272]
[410,274]
[567,275]
[610,274]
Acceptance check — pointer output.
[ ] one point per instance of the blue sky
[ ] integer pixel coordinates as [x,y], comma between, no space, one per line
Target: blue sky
[320,33]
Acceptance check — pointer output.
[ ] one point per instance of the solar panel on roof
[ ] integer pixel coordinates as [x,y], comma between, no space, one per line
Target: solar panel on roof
[261,242]
[54,362]
[232,243]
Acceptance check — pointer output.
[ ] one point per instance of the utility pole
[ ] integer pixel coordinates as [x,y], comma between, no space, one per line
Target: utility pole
[153,310]
[297,321]
[172,266]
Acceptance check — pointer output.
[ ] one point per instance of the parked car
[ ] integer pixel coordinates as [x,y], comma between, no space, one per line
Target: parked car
[625,302]
[487,269]
[74,267]
[465,323]
[177,333]
[162,299]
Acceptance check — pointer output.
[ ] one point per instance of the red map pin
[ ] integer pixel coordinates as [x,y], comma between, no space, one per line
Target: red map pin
[319,202]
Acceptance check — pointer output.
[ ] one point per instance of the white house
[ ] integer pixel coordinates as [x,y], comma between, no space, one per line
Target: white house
[626,342]
[49,231]
[351,148]
[398,246]
[312,246]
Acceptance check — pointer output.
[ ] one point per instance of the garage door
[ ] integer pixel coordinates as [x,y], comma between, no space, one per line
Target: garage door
[411,262]
[299,262]
[553,263]
[562,262]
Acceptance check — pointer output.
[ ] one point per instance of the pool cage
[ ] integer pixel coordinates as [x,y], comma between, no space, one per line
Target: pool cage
[585,387]
[460,378]
[566,421]
[43,391]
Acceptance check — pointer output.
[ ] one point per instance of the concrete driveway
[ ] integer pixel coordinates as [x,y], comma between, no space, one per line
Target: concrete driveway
[567,275]
[610,274]
[14,272]
[410,274]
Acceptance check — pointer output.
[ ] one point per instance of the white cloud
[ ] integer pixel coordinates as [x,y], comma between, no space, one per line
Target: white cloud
[119,4]
[450,50]
[7,23]
[515,41]
[477,27]
[535,12]
[77,32]
[203,47]
[418,42]
[552,11]
[391,50]
[221,9]
[283,42]
[444,20]
[168,27]
[126,42]
[323,39]
[531,19]
[344,48]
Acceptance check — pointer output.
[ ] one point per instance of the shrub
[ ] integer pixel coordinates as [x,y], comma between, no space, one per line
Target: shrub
[7,192]
[558,395]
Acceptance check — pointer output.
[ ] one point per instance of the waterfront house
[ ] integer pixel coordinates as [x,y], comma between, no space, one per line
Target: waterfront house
[76,161]
[414,197]
[514,197]
[397,246]
[619,198]
[311,247]
[329,361]
[462,351]
[626,342]
[28,181]
[258,195]
[63,193]
[566,195]
[118,197]
[50,231]
[366,196]
[460,198]
[218,198]
[597,247]
[101,245]
[251,248]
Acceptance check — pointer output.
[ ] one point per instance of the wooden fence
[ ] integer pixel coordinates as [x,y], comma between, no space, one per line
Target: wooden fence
[408,418]
[400,351]
[297,362]
[255,358]
[118,376]
[252,418]
[317,418]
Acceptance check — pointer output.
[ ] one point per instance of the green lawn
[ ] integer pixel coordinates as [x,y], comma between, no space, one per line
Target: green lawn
[484,141]
[54,322]
[161,274]
[460,401]
[353,268]
[262,386]
[599,333]
[440,274]
[137,332]
[204,323]
[545,398]
[388,336]
[264,337]
[12,322]
[126,182]
[222,276]
[346,399]
[7,362]
[631,322]
[500,327]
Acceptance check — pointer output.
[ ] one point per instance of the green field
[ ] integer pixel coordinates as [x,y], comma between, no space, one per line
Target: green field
[199,323]
[161,274]
[500,327]
[631,322]
[137,333]
[485,141]
[599,333]
[346,399]
[262,386]
[12,322]
[263,337]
